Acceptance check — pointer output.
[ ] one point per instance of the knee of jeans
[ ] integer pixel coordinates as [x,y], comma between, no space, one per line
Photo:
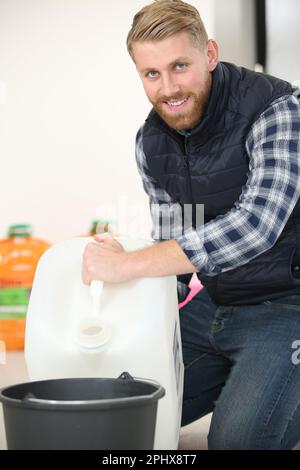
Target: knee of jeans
[219,439]
[226,440]
[232,436]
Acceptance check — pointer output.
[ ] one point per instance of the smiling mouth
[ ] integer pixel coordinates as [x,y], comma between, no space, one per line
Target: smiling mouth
[176,104]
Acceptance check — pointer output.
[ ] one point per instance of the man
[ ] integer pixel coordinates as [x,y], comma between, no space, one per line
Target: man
[229,139]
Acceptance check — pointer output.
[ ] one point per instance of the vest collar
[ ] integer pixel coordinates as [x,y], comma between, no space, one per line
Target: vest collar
[215,103]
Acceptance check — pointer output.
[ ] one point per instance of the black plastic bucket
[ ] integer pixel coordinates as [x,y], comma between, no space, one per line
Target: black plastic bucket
[82,413]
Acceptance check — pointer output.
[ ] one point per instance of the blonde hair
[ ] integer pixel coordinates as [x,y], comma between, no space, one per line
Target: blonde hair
[164,18]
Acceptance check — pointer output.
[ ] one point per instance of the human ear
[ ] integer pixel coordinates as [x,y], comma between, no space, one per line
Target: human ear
[212,54]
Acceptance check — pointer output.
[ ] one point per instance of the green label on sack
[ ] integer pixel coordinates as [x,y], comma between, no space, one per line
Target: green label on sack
[14,303]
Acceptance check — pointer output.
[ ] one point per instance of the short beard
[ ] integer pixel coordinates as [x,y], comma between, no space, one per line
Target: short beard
[183,120]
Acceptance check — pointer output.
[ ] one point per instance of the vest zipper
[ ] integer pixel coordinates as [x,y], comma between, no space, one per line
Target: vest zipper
[187,168]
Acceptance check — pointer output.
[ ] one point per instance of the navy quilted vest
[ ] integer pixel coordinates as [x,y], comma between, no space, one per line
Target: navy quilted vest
[210,167]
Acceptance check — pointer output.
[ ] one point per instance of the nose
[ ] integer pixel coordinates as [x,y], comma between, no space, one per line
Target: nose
[169,87]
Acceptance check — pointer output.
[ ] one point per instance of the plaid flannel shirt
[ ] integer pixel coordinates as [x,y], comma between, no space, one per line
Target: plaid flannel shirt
[257,219]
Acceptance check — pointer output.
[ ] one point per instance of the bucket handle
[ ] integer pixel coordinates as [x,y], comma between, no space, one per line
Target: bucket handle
[30,397]
[127,376]
[31,400]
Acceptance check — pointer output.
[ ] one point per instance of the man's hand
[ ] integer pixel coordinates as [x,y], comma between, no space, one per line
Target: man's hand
[107,261]
[104,260]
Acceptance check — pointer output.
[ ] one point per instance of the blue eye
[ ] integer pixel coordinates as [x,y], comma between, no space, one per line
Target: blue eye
[151,74]
[180,66]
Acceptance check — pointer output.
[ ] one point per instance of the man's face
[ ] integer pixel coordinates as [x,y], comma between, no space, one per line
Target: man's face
[176,77]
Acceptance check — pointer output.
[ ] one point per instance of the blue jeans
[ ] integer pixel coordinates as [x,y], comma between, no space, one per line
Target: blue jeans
[242,365]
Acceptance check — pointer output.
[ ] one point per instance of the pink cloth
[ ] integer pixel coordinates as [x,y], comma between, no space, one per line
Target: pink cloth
[195,287]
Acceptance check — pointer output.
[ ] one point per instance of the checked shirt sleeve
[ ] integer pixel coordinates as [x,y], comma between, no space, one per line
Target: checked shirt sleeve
[272,189]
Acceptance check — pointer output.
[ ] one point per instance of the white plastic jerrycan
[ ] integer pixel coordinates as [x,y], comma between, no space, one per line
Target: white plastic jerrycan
[102,330]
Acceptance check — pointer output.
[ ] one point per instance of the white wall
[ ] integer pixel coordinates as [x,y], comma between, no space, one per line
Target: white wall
[283,25]
[70,105]
[235,31]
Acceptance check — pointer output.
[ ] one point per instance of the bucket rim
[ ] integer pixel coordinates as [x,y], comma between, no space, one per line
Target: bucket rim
[72,405]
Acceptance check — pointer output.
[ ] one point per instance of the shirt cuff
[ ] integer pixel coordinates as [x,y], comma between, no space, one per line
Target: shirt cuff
[192,245]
